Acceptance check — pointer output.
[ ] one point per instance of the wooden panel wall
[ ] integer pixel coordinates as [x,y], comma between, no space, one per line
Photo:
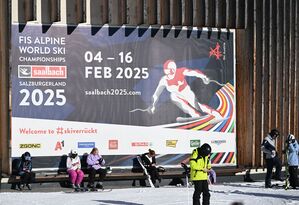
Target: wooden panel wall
[267,51]
[4,89]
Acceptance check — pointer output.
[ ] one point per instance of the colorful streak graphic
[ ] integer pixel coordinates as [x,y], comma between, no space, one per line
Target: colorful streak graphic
[225,99]
[218,158]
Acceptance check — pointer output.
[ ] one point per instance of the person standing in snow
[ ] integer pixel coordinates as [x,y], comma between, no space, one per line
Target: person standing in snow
[95,162]
[200,165]
[271,157]
[293,161]
[73,165]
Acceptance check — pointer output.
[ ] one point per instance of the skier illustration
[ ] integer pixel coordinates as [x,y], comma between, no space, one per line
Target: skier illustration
[181,94]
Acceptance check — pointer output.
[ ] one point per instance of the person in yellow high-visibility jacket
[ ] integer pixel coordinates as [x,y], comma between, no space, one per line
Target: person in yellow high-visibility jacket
[200,165]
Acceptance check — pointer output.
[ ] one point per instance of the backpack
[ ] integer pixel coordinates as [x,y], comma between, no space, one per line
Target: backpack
[136,166]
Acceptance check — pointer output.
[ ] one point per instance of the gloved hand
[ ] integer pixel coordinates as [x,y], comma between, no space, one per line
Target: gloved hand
[273,154]
[206,80]
[205,170]
[152,109]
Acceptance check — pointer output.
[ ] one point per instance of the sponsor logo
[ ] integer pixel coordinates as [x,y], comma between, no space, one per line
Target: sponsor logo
[113,144]
[218,142]
[171,143]
[59,145]
[194,143]
[34,71]
[30,146]
[141,144]
[86,144]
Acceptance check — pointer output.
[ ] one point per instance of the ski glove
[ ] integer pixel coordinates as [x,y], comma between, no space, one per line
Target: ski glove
[273,153]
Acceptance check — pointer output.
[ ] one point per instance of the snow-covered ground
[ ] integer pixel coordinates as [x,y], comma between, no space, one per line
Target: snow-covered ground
[222,194]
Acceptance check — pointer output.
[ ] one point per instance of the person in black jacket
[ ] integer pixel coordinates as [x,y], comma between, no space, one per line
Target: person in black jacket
[271,157]
[149,161]
[25,171]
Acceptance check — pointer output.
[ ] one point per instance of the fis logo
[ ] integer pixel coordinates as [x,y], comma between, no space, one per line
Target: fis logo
[24,71]
[59,145]
[171,143]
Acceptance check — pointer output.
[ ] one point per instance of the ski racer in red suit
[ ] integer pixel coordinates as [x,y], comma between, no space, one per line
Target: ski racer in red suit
[180,92]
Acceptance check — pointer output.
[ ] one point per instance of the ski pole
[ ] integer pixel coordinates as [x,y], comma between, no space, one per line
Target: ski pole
[187,184]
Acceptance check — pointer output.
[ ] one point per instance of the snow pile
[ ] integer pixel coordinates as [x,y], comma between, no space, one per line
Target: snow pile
[247,193]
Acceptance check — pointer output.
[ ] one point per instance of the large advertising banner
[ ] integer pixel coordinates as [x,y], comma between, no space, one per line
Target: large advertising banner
[123,90]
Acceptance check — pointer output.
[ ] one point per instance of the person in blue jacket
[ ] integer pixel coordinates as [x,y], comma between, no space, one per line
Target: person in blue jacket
[293,161]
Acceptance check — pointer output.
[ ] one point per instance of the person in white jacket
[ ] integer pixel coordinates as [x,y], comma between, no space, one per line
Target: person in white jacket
[73,164]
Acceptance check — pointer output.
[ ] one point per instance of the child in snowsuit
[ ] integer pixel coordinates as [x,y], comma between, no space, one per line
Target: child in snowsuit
[200,166]
[293,161]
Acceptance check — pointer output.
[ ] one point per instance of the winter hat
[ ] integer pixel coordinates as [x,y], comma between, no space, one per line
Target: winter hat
[74,153]
[26,156]
[274,133]
[205,150]
[291,138]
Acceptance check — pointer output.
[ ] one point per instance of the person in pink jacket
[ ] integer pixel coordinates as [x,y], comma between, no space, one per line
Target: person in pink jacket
[73,164]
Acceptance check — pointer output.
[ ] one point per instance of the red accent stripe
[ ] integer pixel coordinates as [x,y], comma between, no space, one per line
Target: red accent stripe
[207,128]
[196,123]
[229,157]
[218,158]
[232,111]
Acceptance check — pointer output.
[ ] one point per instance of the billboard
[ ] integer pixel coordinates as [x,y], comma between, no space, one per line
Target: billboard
[123,90]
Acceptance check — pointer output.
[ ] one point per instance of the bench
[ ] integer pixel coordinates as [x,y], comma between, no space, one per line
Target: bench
[119,175]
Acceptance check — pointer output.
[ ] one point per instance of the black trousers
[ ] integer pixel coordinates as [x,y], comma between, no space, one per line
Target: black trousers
[270,163]
[92,174]
[293,171]
[27,177]
[153,172]
[201,186]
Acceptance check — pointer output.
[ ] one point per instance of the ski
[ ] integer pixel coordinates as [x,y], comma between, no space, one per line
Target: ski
[189,119]
[145,172]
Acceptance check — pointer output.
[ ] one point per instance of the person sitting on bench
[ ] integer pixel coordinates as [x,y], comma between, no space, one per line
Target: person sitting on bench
[149,162]
[25,171]
[95,163]
[73,165]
